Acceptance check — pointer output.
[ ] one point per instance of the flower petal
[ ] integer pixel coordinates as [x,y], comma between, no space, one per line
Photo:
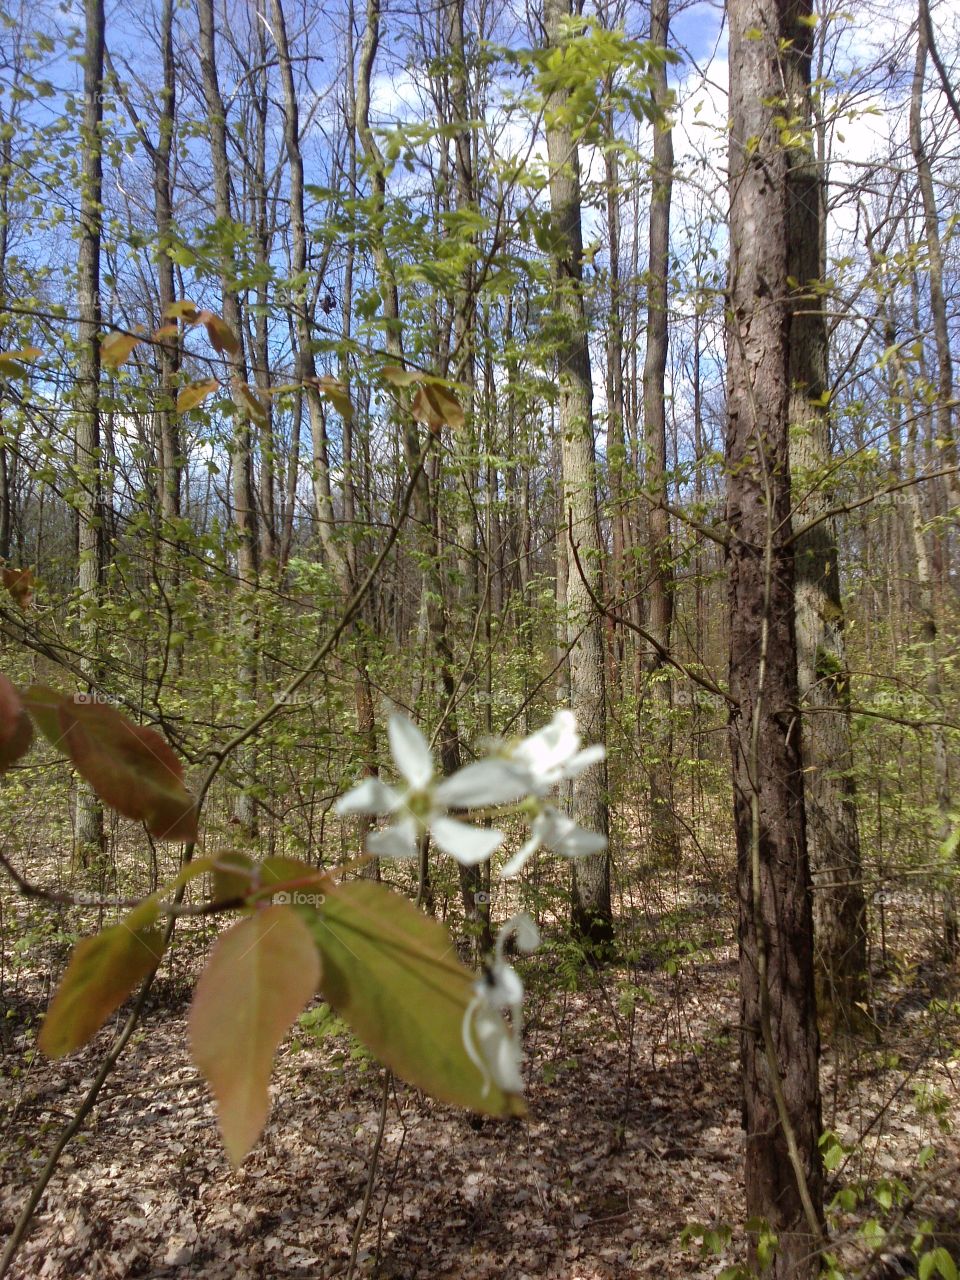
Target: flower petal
[410,751]
[564,836]
[465,842]
[398,841]
[369,796]
[584,759]
[515,865]
[481,783]
[498,1048]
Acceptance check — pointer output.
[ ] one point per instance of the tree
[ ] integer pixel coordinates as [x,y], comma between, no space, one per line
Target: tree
[660,597]
[91,502]
[824,682]
[592,917]
[779,1043]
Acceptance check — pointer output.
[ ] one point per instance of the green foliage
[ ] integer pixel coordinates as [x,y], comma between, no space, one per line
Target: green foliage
[102,972]
[392,975]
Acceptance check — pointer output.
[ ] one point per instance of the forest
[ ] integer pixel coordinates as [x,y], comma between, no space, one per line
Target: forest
[479,541]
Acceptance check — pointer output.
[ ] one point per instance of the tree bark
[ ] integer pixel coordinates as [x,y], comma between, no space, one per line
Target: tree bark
[663,826]
[779,1043]
[90,512]
[591,908]
[244,508]
[833,839]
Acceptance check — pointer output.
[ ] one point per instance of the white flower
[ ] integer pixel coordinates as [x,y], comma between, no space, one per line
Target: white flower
[492,1044]
[554,830]
[553,754]
[422,805]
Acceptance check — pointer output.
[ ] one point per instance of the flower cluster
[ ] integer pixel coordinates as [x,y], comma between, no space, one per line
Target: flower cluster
[519,774]
[492,1044]
[514,777]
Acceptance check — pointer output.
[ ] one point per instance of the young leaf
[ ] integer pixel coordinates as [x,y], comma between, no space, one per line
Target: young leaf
[260,975]
[102,972]
[336,393]
[10,361]
[129,766]
[393,974]
[16,731]
[182,310]
[195,393]
[115,348]
[398,377]
[19,582]
[250,401]
[222,338]
[435,406]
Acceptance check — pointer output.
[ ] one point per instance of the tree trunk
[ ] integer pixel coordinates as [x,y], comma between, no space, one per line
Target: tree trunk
[90,511]
[779,1043]
[663,826]
[833,840]
[591,909]
[244,509]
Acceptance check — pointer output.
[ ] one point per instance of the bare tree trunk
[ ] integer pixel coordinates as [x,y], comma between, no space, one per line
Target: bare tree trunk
[244,508]
[931,227]
[591,908]
[665,839]
[830,794]
[90,547]
[779,1043]
[171,464]
[423,512]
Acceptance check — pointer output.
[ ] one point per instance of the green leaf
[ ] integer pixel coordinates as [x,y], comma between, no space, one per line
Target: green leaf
[102,972]
[10,359]
[398,377]
[16,731]
[260,975]
[129,766]
[392,973]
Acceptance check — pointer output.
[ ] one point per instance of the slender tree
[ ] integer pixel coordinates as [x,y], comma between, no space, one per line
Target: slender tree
[89,462]
[824,682]
[661,588]
[779,1043]
[591,910]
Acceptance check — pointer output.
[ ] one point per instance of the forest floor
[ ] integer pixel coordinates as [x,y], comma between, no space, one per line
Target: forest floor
[633,1133]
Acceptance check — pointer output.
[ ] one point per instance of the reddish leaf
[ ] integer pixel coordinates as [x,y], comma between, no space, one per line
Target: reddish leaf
[102,972]
[16,731]
[19,582]
[129,766]
[166,331]
[222,338]
[260,975]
